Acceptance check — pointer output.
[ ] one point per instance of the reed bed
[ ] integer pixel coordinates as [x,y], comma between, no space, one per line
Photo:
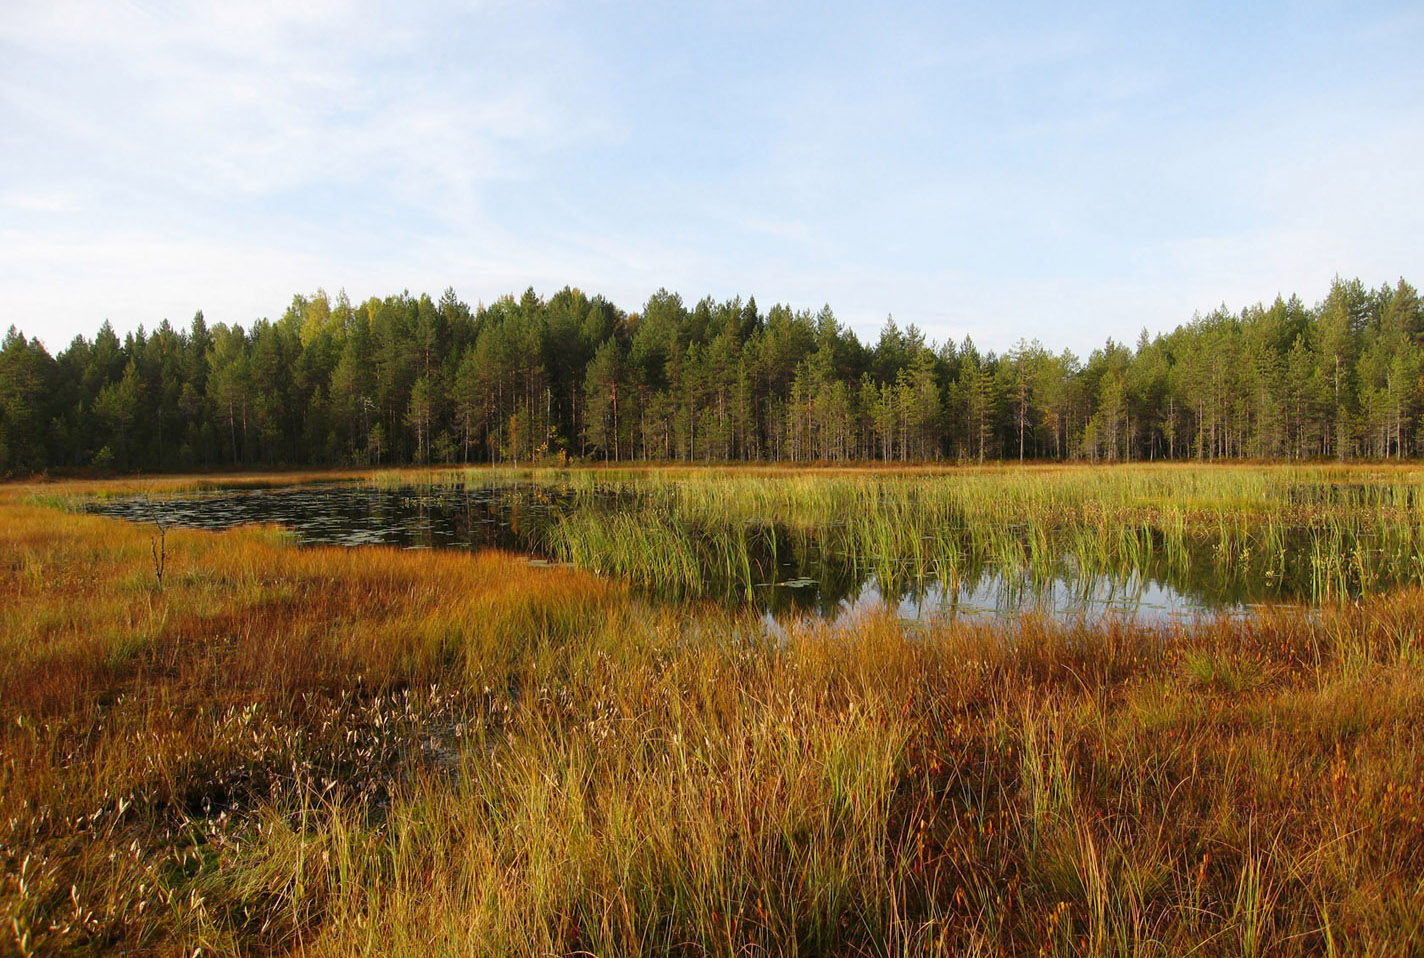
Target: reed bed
[1288,533]
[336,752]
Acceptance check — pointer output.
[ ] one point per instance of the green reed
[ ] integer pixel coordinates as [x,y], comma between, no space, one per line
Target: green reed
[1317,533]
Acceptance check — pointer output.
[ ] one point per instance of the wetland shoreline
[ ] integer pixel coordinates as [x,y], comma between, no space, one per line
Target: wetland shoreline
[340,751]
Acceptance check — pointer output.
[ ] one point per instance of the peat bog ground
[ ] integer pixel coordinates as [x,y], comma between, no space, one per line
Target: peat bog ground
[281,748]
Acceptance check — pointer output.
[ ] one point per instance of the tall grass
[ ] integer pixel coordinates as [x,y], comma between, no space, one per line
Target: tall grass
[1309,533]
[382,752]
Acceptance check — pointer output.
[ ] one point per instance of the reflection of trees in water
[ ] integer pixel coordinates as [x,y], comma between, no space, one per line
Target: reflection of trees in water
[1203,571]
[1018,566]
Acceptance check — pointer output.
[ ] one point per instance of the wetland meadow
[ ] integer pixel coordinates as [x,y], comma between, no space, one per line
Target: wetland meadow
[1044,710]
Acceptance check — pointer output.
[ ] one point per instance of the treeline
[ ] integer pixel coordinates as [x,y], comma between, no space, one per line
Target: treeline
[410,379]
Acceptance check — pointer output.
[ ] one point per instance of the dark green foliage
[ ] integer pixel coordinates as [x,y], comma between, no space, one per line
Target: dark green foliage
[408,379]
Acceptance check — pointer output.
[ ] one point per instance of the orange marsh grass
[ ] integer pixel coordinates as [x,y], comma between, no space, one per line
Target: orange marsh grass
[381,752]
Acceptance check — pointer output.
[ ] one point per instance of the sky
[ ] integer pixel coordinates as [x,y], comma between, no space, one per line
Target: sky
[1061,172]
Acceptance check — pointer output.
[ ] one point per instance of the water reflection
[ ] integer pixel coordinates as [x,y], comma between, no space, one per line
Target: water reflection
[787,571]
[352,515]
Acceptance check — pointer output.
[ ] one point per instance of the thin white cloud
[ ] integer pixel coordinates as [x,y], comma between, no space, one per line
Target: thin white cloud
[1062,175]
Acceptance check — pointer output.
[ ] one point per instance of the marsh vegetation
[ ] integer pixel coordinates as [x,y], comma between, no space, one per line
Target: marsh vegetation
[336,750]
[1153,542]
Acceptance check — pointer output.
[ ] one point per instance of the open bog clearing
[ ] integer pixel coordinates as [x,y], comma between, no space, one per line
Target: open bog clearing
[1143,710]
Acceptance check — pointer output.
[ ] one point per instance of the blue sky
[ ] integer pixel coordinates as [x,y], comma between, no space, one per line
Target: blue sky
[1052,171]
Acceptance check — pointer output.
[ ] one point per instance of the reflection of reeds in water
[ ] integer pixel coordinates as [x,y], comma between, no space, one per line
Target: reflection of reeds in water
[335,752]
[1314,533]
[1213,535]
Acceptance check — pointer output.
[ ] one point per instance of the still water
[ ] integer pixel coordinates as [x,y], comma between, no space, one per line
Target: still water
[791,573]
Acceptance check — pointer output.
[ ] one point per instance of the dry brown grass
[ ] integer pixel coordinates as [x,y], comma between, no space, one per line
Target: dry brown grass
[381,752]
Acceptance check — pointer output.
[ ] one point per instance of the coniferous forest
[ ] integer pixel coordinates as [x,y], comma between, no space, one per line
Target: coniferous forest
[410,379]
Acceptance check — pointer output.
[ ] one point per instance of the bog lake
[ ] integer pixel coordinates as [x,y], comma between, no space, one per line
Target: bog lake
[814,551]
